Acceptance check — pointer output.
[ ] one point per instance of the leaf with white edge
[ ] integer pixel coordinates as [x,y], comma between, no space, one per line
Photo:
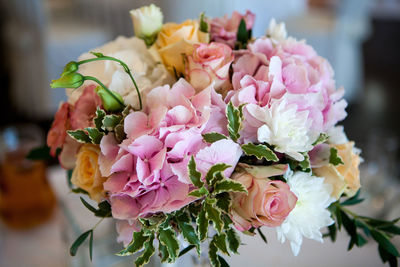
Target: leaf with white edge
[220,167]
[334,158]
[235,117]
[189,234]
[111,121]
[260,151]
[220,242]
[119,132]
[147,253]
[194,175]
[98,120]
[168,238]
[321,139]
[213,137]
[305,165]
[214,215]
[202,224]
[233,240]
[78,242]
[164,255]
[223,201]
[80,136]
[229,185]
[201,192]
[137,243]
[222,261]
[95,135]
[212,254]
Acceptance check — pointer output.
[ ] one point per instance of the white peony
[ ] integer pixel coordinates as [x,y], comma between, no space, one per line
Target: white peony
[147,22]
[147,72]
[284,127]
[277,31]
[310,214]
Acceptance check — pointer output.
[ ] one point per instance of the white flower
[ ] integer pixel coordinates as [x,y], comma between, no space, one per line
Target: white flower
[337,136]
[148,73]
[147,22]
[285,127]
[310,213]
[277,31]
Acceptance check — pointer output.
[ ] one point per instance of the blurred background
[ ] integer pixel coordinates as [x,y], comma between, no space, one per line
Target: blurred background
[360,38]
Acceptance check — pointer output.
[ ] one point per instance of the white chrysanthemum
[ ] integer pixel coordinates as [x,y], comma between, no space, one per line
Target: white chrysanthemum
[337,136]
[285,127]
[310,213]
[277,31]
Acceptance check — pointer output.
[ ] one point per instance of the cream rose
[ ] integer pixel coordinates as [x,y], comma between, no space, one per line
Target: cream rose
[268,202]
[174,41]
[209,63]
[86,174]
[344,178]
[147,22]
[147,72]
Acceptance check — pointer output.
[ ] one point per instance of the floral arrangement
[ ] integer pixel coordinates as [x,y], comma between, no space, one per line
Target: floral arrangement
[197,130]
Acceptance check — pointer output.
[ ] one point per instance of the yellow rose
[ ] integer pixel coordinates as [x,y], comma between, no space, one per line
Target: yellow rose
[344,178]
[176,40]
[86,174]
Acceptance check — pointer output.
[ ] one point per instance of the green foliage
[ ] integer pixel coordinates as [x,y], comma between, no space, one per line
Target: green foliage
[235,117]
[262,235]
[39,153]
[137,243]
[104,208]
[215,170]
[202,224]
[228,185]
[79,241]
[243,35]
[94,134]
[98,120]
[233,240]
[111,121]
[321,139]
[189,234]
[213,137]
[194,175]
[149,250]
[167,237]
[79,135]
[203,24]
[213,214]
[334,158]
[260,151]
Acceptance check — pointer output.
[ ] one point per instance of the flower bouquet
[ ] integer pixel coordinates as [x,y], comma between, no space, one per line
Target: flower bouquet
[195,131]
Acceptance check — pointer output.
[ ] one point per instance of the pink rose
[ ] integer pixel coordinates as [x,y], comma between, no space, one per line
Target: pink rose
[268,202]
[224,30]
[209,63]
[57,133]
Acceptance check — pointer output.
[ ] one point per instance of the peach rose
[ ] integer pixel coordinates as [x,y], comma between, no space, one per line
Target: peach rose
[209,63]
[174,41]
[58,131]
[344,178]
[86,174]
[268,202]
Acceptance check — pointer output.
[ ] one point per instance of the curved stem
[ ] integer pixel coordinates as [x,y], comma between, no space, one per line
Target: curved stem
[126,68]
[90,78]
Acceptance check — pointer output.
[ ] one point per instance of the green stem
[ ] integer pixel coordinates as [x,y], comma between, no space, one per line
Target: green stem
[90,78]
[126,68]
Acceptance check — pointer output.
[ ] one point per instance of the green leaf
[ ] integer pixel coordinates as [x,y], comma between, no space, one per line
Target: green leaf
[119,132]
[223,201]
[384,242]
[220,167]
[98,120]
[164,255]
[332,232]
[349,225]
[97,54]
[39,153]
[321,139]
[392,229]
[387,257]
[353,200]
[80,136]
[78,242]
[260,151]
[168,238]
[213,137]
[111,121]
[186,250]
[305,165]
[212,254]
[361,241]
[202,224]
[95,135]
[137,243]
[229,185]
[91,245]
[220,242]
[79,191]
[88,206]
[222,261]
[104,209]
[149,250]
[194,175]
[189,234]
[214,215]
[334,158]
[235,118]
[242,33]
[203,23]
[69,176]
[201,192]
[262,235]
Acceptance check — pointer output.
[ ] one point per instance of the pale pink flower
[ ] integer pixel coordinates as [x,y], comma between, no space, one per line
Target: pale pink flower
[58,130]
[84,110]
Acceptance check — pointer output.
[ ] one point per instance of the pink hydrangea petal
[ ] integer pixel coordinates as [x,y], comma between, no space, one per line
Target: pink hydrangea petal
[124,207]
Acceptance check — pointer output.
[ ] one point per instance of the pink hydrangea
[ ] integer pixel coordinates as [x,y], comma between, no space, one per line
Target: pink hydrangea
[148,170]
[224,29]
